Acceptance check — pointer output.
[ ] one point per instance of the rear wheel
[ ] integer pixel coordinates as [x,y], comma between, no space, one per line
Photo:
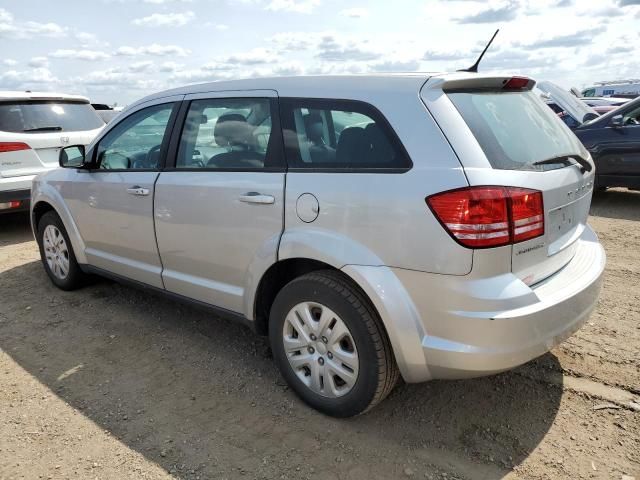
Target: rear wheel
[329,345]
[57,254]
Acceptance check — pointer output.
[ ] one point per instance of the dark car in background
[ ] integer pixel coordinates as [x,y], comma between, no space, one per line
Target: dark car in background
[614,142]
[613,139]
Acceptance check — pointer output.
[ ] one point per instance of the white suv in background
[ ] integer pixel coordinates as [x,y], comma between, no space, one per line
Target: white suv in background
[33,129]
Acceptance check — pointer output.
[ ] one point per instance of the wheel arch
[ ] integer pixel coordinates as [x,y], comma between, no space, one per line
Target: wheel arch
[274,279]
[44,199]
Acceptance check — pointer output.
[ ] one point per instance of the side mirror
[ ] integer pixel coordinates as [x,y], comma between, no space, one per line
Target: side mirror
[617,121]
[72,157]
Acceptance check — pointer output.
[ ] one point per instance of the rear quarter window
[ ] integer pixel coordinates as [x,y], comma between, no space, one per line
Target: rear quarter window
[340,135]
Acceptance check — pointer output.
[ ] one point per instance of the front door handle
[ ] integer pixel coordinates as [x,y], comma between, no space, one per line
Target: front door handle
[138,190]
[255,197]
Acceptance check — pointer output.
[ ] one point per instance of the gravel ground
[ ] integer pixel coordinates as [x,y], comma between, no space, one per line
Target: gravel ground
[112,383]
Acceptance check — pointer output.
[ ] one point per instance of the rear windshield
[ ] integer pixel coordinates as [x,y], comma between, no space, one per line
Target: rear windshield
[516,130]
[48,116]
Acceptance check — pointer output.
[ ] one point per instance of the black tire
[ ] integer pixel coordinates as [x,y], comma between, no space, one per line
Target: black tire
[75,277]
[378,372]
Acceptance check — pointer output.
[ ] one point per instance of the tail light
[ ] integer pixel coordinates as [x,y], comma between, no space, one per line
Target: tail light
[10,205]
[484,217]
[13,146]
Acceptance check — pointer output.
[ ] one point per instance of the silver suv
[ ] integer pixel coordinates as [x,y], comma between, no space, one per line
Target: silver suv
[372,226]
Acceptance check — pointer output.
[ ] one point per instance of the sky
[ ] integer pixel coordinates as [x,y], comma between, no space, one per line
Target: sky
[117,51]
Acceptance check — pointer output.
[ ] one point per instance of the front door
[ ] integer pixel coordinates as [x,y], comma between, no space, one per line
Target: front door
[219,211]
[113,203]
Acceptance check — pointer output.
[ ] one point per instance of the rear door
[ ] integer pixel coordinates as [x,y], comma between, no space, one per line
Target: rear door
[509,137]
[40,128]
[219,209]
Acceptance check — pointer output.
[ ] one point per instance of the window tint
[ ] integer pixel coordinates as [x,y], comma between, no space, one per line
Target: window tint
[339,134]
[136,142]
[226,133]
[47,116]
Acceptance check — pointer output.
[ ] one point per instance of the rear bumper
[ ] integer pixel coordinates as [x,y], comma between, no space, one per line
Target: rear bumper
[462,326]
[532,320]
[20,195]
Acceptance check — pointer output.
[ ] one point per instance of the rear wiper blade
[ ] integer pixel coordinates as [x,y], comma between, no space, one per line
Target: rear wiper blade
[43,129]
[584,164]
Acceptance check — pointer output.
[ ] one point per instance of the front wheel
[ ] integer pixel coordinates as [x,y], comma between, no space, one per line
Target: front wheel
[57,254]
[330,346]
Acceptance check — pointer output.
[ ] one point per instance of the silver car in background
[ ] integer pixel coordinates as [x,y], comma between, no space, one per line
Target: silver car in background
[428,226]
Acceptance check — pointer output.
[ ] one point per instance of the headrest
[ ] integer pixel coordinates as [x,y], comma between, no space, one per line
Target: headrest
[313,126]
[231,129]
[353,146]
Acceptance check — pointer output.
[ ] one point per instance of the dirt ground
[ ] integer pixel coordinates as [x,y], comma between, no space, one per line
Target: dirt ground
[111,383]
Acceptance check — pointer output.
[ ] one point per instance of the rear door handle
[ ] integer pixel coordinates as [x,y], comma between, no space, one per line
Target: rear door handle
[138,190]
[255,197]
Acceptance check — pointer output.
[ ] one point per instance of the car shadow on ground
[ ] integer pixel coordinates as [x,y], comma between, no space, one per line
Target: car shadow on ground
[200,396]
[616,203]
[15,228]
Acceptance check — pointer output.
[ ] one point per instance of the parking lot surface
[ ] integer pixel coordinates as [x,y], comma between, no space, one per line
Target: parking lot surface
[110,382]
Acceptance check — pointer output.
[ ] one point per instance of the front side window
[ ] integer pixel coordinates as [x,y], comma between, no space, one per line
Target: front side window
[227,133]
[339,134]
[632,117]
[136,142]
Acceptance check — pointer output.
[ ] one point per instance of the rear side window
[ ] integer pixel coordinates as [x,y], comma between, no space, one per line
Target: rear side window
[340,135]
[515,130]
[48,116]
[228,134]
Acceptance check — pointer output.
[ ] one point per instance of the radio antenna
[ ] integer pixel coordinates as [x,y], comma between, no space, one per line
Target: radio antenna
[474,68]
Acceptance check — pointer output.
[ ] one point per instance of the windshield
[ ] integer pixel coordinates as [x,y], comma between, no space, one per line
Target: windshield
[48,116]
[516,130]
[579,110]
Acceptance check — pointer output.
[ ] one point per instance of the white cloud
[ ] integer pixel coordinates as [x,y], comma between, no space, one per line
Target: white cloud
[293,41]
[154,50]
[141,66]
[5,16]
[170,66]
[23,79]
[44,29]
[335,49]
[114,78]
[10,28]
[356,12]
[197,75]
[297,6]
[86,39]
[39,62]
[217,26]
[86,55]
[10,62]
[165,19]
[252,57]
